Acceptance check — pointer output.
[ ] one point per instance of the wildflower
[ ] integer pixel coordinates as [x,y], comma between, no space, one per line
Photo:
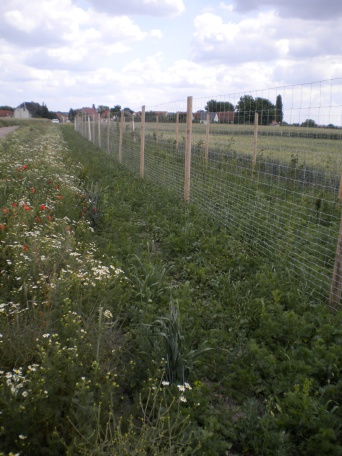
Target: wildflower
[37,219]
[33,190]
[24,394]
[4,210]
[26,207]
[14,204]
[46,336]
[43,207]
[22,437]
[24,167]
[187,386]
[164,383]
[181,387]
[107,314]
[25,247]
[182,399]
[49,217]
[2,226]
[59,197]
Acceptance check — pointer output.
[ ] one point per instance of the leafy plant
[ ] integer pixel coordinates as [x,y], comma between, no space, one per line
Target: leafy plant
[174,348]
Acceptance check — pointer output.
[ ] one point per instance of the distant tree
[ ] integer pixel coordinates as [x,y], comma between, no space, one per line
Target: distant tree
[102,108]
[245,109]
[328,126]
[266,110]
[219,106]
[247,106]
[279,114]
[309,123]
[116,109]
[44,112]
[71,115]
[6,108]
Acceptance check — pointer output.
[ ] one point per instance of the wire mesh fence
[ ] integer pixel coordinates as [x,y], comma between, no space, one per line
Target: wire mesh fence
[265,164]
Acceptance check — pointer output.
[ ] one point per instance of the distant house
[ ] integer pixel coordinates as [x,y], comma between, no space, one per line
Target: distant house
[225,117]
[201,117]
[214,117]
[89,112]
[104,114]
[6,113]
[26,110]
[62,117]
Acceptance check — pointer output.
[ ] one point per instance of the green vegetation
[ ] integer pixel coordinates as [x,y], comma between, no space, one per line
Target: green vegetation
[132,324]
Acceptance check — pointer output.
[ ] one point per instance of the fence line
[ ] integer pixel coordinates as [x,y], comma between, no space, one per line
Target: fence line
[269,172]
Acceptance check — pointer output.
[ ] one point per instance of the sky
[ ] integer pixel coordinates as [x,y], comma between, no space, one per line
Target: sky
[76,53]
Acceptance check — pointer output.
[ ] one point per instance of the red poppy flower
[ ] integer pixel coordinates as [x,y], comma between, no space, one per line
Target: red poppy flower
[33,190]
[57,187]
[24,167]
[49,217]
[37,219]
[5,211]
[14,204]
[2,226]
[26,207]
[25,247]
[43,207]
[59,197]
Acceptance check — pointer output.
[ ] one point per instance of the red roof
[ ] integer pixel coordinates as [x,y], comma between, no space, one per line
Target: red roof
[90,112]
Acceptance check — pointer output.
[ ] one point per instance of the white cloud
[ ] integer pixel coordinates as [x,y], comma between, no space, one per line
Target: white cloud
[148,7]
[265,37]
[228,7]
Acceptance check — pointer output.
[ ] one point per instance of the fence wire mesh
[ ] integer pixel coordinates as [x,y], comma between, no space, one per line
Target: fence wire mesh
[265,164]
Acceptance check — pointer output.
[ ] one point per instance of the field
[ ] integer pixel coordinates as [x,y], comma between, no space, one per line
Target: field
[134,324]
[318,147]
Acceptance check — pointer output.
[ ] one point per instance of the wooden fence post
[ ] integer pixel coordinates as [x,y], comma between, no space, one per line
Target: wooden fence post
[121,134]
[336,281]
[142,143]
[255,141]
[108,130]
[207,137]
[188,150]
[93,127]
[99,128]
[89,129]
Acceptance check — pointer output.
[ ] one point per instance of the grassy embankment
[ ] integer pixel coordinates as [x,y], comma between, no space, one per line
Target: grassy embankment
[111,287]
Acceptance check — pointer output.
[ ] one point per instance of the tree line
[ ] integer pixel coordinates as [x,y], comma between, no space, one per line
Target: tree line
[247,107]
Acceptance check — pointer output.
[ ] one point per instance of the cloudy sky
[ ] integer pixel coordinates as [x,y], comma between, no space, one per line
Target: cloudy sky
[75,53]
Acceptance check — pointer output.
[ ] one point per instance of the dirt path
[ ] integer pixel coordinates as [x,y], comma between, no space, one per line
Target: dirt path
[5,130]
